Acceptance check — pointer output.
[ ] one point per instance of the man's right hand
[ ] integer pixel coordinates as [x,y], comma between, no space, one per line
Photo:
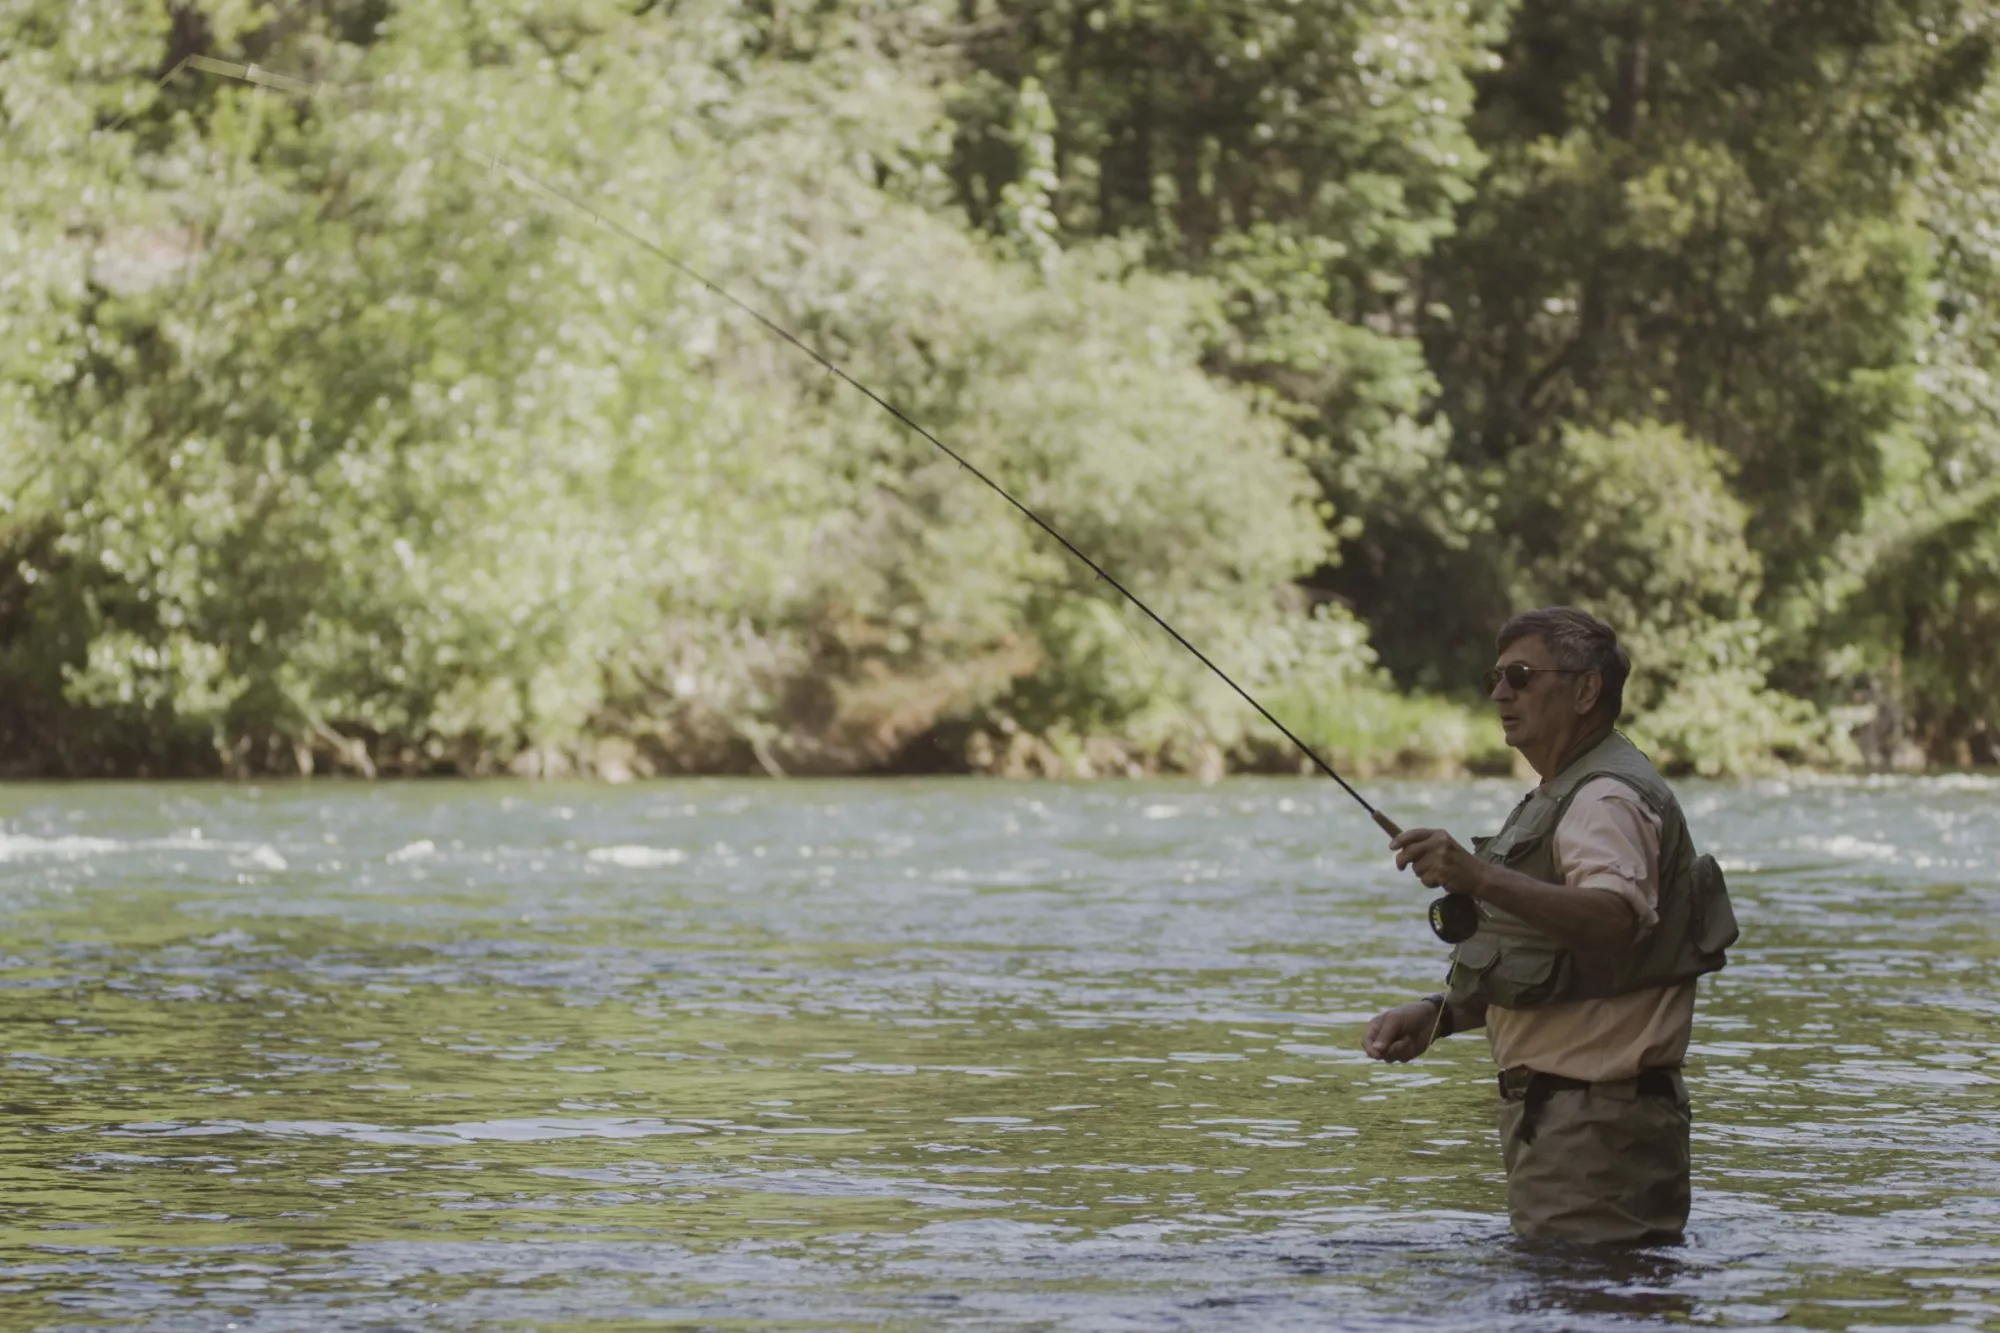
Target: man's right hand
[1402,1033]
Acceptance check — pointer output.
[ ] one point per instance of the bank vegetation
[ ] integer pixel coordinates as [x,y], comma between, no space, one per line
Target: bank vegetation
[1336,328]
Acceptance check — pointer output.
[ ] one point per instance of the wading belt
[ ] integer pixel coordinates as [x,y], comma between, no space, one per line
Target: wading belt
[1533,1090]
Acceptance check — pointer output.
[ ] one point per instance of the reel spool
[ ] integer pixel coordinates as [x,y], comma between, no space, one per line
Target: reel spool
[1454,917]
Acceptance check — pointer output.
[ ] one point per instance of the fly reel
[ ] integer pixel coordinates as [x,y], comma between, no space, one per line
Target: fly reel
[1454,917]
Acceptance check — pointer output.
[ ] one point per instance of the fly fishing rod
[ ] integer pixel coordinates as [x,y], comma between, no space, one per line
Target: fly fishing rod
[1452,917]
[680,266]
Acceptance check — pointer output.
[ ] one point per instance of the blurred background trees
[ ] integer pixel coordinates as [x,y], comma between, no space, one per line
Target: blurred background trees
[1338,330]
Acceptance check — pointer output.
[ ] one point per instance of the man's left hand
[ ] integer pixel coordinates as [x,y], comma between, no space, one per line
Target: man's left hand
[1439,861]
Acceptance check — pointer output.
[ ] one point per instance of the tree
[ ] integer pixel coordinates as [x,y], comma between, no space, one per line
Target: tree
[385,462]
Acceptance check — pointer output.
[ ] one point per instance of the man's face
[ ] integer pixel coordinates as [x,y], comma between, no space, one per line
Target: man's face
[1542,709]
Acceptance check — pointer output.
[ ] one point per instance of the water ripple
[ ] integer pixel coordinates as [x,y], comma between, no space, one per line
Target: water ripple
[922,1055]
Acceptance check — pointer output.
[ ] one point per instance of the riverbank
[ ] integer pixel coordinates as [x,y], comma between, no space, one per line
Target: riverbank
[1381,736]
[1366,731]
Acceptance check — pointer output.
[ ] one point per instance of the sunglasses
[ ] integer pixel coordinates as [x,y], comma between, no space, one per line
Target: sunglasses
[1518,674]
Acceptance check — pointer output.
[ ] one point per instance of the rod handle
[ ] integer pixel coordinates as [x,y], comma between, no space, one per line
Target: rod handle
[1386,824]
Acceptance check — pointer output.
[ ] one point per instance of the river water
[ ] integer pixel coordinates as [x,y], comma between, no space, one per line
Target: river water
[931,1055]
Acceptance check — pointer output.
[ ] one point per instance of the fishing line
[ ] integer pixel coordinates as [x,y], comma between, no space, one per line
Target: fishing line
[282,83]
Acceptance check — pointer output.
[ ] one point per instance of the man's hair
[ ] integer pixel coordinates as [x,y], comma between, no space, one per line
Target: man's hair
[1579,641]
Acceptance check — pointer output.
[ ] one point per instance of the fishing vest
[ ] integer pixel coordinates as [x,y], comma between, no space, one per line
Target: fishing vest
[1510,963]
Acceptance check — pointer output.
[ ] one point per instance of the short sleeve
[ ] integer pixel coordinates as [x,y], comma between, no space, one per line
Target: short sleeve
[1610,840]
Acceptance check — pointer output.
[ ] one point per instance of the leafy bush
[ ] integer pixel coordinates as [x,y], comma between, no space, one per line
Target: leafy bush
[1637,525]
[326,438]
[395,465]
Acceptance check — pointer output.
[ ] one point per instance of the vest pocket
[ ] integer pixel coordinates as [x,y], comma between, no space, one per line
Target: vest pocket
[1508,846]
[1527,975]
[1511,971]
[1472,957]
[1714,926]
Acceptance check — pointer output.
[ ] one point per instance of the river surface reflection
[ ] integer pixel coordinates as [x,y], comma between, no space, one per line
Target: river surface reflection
[923,1055]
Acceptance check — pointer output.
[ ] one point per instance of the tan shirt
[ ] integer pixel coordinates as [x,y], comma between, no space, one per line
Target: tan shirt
[1608,840]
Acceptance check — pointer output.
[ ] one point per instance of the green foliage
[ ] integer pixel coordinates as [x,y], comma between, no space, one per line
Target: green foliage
[1903,618]
[1731,219]
[1638,525]
[1304,155]
[343,449]
[1027,206]
[327,436]
[1361,724]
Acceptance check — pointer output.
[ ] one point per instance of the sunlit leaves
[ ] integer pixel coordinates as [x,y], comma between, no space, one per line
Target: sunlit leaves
[345,449]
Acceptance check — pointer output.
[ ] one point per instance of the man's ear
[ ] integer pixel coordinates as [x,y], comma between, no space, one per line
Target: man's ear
[1589,689]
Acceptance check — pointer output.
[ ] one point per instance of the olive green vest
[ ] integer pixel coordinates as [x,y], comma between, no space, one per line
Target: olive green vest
[1511,964]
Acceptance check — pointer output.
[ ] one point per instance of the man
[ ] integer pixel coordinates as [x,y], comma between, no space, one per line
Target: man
[1595,918]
